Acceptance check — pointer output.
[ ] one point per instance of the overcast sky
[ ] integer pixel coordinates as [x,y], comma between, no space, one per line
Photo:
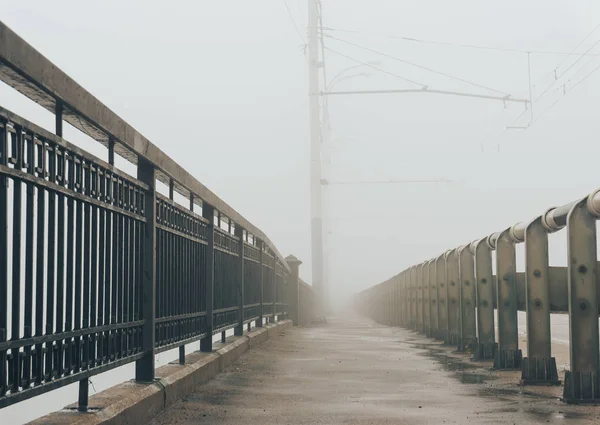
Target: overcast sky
[222,88]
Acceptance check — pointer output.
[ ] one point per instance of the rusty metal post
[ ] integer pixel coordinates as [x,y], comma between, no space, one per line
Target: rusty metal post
[581,382]
[508,355]
[453,297]
[486,334]
[539,367]
[466,279]
[425,284]
[433,307]
[440,275]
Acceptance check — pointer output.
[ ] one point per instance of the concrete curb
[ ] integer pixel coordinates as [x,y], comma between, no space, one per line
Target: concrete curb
[132,403]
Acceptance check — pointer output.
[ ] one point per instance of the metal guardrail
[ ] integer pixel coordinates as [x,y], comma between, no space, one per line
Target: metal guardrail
[97,269]
[452,297]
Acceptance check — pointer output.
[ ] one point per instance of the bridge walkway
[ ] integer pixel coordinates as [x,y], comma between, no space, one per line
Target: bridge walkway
[355,371]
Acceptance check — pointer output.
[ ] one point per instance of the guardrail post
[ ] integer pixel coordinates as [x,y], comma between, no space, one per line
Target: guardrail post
[581,382]
[387,293]
[394,301]
[208,212]
[293,287]
[442,295]
[144,367]
[426,303]
[397,297]
[539,367]
[239,233]
[419,296]
[466,280]
[390,301]
[433,305]
[274,288]
[413,298]
[404,279]
[453,297]
[486,333]
[508,355]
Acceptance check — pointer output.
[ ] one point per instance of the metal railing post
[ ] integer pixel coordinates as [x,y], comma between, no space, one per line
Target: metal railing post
[404,279]
[413,298]
[274,289]
[453,297]
[260,320]
[426,302]
[433,302]
[208,212]
[419,296]
[508,355]
[390,301]
[581,382]
[539,367]
[58,118]
[442,296]
[397,304]
[144,367]
[486,333]
[239,233]
[293,287]
[466,280]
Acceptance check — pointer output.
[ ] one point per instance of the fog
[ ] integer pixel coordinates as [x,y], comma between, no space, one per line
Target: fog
[222,88]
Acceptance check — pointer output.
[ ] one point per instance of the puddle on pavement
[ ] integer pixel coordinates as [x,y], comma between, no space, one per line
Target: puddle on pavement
[463,370]
[540,414]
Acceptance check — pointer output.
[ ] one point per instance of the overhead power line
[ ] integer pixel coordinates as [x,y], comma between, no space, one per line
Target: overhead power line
[576,47]
[464,45]
[416,65]
[427,90]
[287,7]
[567,70]
[564,95]
[375,67]
[391,181]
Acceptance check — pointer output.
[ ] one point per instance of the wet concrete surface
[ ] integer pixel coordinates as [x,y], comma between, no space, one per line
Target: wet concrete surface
[354,371]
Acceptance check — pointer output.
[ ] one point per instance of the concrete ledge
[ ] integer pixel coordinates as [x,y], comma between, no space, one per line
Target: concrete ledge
[132,403]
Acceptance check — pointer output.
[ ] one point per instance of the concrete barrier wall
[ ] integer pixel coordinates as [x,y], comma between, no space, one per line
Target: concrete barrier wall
[133,403]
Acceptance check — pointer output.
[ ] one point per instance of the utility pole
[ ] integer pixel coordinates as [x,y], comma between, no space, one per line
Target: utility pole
[314,64]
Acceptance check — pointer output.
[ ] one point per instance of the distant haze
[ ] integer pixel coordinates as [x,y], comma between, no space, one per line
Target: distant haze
[222,88]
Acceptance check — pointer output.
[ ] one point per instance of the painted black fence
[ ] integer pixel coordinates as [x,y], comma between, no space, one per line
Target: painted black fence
[97,269]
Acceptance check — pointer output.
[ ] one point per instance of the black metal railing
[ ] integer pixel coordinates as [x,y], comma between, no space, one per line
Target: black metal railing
[97,269]
[268,284]
[180,281]
[72,225]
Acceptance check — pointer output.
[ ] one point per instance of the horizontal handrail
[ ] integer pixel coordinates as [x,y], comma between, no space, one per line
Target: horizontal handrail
[452,297]
[31,73]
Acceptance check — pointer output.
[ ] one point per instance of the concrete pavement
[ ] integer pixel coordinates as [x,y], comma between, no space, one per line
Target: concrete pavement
[359,372]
